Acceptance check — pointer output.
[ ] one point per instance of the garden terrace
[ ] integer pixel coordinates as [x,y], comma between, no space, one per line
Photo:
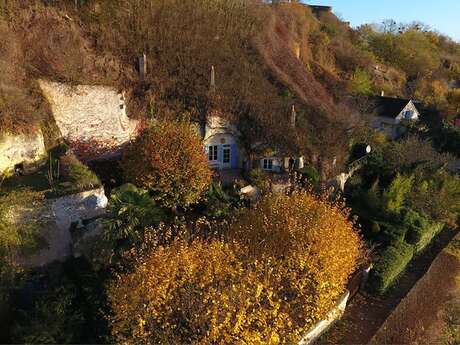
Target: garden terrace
[77,178]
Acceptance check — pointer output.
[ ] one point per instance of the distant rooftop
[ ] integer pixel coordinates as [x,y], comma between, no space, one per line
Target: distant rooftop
[315,8]
[388,106]
[318,8]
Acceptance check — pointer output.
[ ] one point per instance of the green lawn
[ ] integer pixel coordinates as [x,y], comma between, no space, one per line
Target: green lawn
[80,179]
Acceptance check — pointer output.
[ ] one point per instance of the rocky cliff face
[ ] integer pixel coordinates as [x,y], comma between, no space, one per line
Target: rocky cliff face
[27,150]
[59,214]
[91,118]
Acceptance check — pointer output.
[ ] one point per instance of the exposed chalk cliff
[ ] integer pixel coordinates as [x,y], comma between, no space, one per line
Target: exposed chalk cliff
[92,119]
[27,150]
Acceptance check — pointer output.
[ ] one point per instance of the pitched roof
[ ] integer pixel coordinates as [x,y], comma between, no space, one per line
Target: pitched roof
[387,106]
[319,8]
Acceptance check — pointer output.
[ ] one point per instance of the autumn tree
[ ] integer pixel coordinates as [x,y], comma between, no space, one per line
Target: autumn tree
[169,160]
[280,269]
[304,229]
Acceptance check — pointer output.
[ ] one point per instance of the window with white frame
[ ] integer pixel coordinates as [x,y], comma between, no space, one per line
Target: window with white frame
[267,164]
[212,153]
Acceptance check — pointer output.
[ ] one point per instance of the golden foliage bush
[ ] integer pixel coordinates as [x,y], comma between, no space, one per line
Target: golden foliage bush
[169,160]
[277,273]
[311,237]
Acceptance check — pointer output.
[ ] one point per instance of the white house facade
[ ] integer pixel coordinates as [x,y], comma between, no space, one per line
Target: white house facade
[221,144]
[278,164]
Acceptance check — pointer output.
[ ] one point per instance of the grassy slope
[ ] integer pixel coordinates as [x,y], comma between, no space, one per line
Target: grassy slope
[251,45]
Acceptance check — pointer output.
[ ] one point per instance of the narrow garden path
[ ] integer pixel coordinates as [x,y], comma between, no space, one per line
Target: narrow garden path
[366,313]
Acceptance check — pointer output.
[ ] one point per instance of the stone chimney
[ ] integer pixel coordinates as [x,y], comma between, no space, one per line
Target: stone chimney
[293,116]
[213,78]
[143,66]
[296,48]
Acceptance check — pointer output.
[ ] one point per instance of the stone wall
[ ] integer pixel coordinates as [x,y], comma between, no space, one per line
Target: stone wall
[60,214]
[28,150]
[94,116]
[322,326]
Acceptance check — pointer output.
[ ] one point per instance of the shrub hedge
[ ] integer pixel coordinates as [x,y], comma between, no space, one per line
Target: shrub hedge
[420,229]
[392,261]
[420,237]
[78,174]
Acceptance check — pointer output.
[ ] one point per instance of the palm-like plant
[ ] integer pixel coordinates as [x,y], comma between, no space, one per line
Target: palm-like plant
[130,211]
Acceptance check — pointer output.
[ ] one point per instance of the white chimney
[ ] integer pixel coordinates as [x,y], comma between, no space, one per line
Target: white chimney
[143,66]
[213,78]
[293,116]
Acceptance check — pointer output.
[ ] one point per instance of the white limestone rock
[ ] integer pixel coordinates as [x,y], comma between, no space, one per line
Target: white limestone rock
[92,115]
[26,149]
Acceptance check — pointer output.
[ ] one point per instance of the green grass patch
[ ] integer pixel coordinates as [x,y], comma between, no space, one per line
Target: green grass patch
[70,176]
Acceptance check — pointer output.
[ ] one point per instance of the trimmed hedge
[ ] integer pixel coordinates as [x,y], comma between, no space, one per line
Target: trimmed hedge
[392,233]
[392,261]
[420,230]
[421,237]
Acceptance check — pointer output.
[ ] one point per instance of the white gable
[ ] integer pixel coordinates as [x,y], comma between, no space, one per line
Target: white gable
[219,130]
[409,112]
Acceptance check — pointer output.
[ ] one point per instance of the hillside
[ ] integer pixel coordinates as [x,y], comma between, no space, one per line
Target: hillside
[218,171]
[267,58]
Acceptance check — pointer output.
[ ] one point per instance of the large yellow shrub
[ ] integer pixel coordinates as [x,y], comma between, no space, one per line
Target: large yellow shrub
[283,272]
[314,242]
[168,159]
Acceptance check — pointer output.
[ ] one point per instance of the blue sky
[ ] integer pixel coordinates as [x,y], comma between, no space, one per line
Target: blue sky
[441,15]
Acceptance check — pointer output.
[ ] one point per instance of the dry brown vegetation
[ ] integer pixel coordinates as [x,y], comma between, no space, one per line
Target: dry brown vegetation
[251,46]
[430,310]
[41,41]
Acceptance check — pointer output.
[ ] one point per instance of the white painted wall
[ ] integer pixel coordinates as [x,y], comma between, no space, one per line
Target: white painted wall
[26,149]
[220,139]
[277,165]
[322,326]
[89,113]
[218,129]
